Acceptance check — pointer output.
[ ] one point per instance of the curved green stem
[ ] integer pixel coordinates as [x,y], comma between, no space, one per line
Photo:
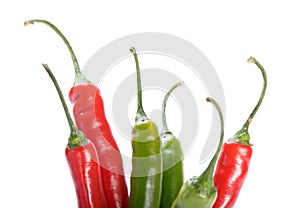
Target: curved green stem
[78,75]
[140,111]
[242,136]
[262,95]
[76,138]
[66,110]
[164,120]
[208,173]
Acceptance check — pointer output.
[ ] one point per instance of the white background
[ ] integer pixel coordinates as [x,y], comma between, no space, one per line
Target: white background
[33,169]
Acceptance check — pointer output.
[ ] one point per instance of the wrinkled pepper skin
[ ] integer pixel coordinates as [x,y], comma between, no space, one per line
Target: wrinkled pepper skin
[231,173]
[85,173]
[82,160]
[89,114]
[188,197]
[146,176]
[90,118]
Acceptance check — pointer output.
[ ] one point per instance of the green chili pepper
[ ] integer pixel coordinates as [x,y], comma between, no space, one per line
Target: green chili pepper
[146,176]
[199,191]
[172,160]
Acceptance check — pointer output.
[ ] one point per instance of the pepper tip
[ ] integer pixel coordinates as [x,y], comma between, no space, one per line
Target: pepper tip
[132,50]
[181,83]
[251,60]
[28,22]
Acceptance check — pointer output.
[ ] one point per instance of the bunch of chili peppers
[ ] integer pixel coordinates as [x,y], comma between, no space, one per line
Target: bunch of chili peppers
[157,178]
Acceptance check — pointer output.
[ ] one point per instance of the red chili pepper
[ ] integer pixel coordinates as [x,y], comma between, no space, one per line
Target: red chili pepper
[234,160]
[90,118]
[82,159]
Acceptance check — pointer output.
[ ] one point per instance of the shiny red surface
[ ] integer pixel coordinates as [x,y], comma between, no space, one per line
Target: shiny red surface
[85,173]
[90,118]
[231,171]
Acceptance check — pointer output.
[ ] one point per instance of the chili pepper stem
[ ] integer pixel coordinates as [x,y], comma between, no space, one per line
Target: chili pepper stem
[76,137]
[140,111]
[164,120]
[242,136]
[79,77]
[207,175]
[253,60]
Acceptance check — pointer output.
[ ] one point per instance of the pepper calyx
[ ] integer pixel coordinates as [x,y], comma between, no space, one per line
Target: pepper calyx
[241,137]
[142,123]
[166,134]
[77,139]
[205,188]
[80,78]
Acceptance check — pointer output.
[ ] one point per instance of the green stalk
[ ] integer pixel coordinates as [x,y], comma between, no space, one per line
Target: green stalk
[140,111]
[207,176]
[164,120]
[262,95]
[242,136]
[76,138]
[79,77]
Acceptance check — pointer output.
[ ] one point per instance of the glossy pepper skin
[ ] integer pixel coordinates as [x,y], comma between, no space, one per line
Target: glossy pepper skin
[235,159]
[82,160]
[173,176]
[85,173]
[199,191]
[89,114]
[90,118]
[146,175]
[233,164]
